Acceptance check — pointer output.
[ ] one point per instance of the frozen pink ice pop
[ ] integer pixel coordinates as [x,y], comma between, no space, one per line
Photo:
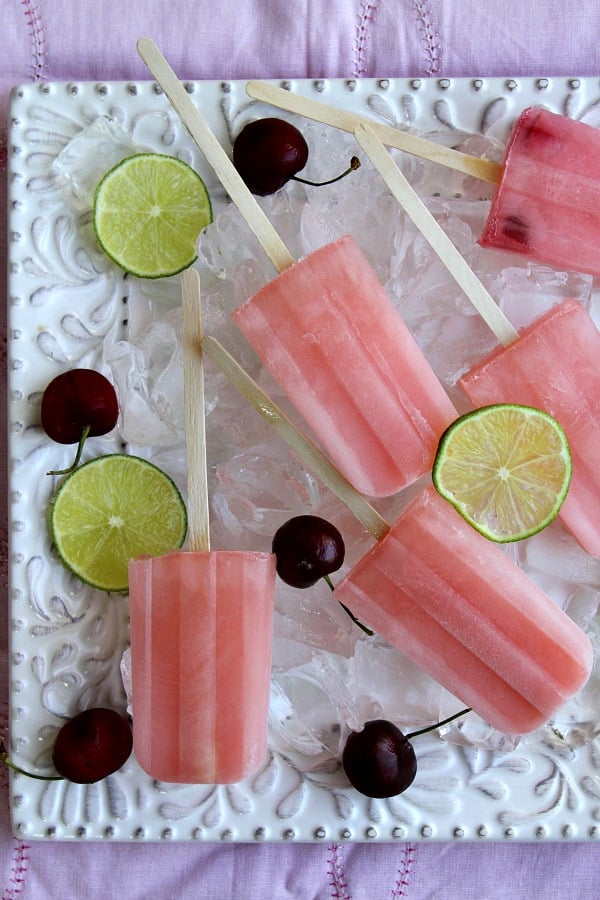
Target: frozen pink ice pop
[555,366]
[546,205]
[201,627]
[332,338]
[456,605]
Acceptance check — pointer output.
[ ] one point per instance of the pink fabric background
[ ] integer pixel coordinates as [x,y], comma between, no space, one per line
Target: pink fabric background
[77,40]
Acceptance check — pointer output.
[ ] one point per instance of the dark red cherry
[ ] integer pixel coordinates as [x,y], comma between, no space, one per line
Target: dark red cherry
[307,548]
[379,761]
[267,153]
[76,404]
[78,399]
[91,745]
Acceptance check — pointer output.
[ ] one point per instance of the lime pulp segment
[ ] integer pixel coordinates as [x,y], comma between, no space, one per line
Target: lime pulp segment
[110,510]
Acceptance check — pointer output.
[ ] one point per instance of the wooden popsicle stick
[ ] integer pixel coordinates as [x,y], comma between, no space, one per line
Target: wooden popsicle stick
[193,396]
[483,169]
[414,207]
[306,450]
[215,155]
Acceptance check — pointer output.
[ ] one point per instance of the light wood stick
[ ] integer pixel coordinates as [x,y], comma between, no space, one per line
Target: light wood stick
[215,155]
[483,169]
[306,450]
[437,237]
[193,395]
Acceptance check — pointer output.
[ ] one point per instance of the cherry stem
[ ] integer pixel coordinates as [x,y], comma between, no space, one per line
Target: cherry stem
[84,433]
[413,734]
[354,164]
[5,759]
[346,610]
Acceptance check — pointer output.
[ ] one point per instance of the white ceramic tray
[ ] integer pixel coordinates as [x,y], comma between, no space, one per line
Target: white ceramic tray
[67,640]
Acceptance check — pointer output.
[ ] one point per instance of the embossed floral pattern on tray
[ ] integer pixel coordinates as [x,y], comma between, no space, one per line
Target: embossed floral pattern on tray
[69,306]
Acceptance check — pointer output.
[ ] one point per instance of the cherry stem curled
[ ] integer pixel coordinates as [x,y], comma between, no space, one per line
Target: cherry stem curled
[354,165]
[84,434]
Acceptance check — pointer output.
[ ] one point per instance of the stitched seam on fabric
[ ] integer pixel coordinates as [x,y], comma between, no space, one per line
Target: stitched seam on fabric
[430,37]
[19,870]
[335,870]
[361,36]
[38,39]
[20,855]
[405,871]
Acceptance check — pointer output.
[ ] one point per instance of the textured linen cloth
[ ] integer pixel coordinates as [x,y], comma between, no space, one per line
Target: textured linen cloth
[48,40]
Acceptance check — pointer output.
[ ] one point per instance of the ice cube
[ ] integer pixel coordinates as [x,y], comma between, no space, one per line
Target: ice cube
[257,487]
[148,375]
[387,685]
[554,552]
[88,156]
[314,619]
[306,715]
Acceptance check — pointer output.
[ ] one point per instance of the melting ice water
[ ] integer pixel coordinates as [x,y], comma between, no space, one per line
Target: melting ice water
[328,677]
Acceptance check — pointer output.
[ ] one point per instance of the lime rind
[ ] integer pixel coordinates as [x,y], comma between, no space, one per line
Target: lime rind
[148,212]
[508,482]
[112,509]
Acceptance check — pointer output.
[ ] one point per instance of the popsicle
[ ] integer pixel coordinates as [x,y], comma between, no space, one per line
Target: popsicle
[555,366]
[546,203]
[332,338]
[448,598]
[552,365]
[201,629]
[455,604]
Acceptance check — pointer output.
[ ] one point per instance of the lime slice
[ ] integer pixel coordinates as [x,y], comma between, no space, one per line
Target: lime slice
[506,469]
[148,212]
[110,510]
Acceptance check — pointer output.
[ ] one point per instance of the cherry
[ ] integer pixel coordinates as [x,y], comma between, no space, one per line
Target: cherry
[307,548]
[77,404]
[269,152]
[93,744]
[90,746]
[380,760]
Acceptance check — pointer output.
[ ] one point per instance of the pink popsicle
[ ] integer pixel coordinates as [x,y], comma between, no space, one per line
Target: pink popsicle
[455,604]
[331,337]
[201,625]
[546,205]
[555,366]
